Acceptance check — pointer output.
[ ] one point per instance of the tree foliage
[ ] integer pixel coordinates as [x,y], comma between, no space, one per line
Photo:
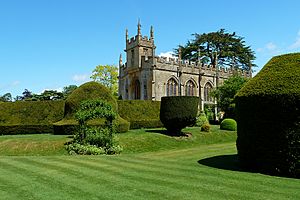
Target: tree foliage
[107,75]
[226,49]
[46,95]
[6,97]
[226,92]
[68,90]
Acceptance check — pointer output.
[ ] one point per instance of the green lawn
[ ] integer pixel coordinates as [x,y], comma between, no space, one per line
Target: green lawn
[200,167]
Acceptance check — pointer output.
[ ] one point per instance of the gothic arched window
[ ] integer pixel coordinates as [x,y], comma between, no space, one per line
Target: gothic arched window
[172,86]
[207,90]
[137,90]
[190,88]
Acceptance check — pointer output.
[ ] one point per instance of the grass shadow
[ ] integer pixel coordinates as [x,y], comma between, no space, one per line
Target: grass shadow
[227,162]
[230,162]
[165,132]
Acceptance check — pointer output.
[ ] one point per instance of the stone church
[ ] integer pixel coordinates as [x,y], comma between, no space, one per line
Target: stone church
[146,76]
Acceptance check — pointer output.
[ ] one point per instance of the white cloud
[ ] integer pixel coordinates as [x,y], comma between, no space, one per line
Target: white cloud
[168,54]
[81,77]
[15,83]
[10,85]
[271,46]
[260,50]
[296,44]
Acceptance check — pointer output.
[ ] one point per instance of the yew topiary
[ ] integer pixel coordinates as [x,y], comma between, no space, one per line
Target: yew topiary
[268,110]
[228,124]
[177,112]
[88,91]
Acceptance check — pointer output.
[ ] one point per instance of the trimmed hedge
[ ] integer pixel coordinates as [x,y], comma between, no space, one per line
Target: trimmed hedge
[140,113]
[30,117]
[228,124]
[268,111]
[25,129]
[87,91]
[90,90]
[68,126]
[177,112]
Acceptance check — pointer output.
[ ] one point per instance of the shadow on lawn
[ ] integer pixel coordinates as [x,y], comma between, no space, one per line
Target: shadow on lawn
[227,162]
[165,132]
[230,162]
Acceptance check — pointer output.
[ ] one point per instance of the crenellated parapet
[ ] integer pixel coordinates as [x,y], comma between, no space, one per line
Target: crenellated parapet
[186,64]
[139,40]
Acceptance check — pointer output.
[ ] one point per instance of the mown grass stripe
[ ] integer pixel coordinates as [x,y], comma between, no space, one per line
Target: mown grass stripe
[140,177]
[12,186]
[81,174]
[58,181]
[148,175]
[226,178]
[126,173]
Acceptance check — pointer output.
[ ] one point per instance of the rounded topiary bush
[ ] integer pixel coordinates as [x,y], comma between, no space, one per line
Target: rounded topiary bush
[87,91]
[268,110]
[177,112]
[228,124]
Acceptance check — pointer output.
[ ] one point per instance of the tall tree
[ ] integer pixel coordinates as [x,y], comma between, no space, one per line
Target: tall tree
[68,90]
[107,75]
[225,49]
[27,94]
[51,95]
[6,97]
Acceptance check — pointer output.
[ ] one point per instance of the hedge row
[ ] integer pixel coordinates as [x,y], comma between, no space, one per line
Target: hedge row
[68,126]
[31,112]
[25,129]
[30,117]
[58,116]
[140,113]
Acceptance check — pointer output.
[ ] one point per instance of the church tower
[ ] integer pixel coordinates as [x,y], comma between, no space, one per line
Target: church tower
[139,48]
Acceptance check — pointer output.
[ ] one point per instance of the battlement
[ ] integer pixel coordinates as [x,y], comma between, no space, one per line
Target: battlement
[139,39]
[225,71]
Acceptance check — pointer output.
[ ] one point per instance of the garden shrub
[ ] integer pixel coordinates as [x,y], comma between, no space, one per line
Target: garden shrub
[91,90]
[205,127]
[140,113]
[86,138]
[30,117]
[267,143]
[209,111]
[68,126]
[177,112]
[201,120]
[76,148]
[87,91]
[228,124]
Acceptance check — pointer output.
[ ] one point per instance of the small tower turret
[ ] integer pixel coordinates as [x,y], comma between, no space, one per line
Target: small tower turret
[151,33]
[126,34]
[139,28]
[139,48]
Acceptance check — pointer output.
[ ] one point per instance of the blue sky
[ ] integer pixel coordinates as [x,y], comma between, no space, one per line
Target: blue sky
[49,44]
